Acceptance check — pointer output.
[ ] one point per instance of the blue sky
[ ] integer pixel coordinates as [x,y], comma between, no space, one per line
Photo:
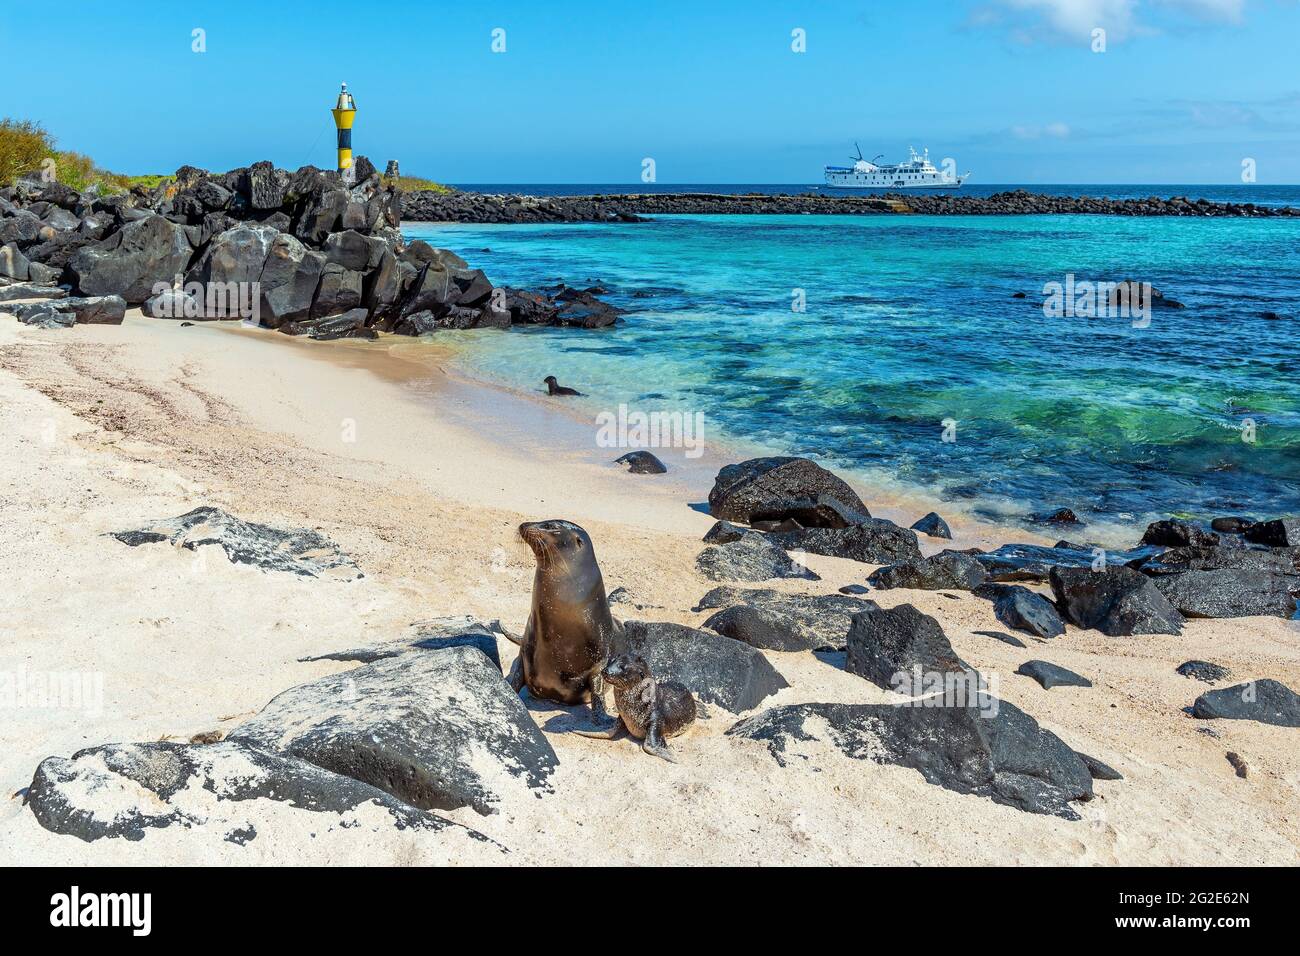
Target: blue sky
[713,92]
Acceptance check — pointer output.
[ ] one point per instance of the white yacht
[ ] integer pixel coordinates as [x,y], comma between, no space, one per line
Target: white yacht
[917,173]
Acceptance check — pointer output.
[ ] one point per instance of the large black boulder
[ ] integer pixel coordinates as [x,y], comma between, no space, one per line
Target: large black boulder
[131,261]
[1022,609]
[875,541]
[933,526]
[125,790]
[776,621]
[995,751]
[438,729]
[1230,593]
[948,570]
[1265,701]
[750,557]
[716,669]
[1175,532]
[1117,601]
[890,647]
[769,484]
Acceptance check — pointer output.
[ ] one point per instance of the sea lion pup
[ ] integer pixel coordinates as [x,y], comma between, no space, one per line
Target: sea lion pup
[570,631]
[555,388]
[651,710]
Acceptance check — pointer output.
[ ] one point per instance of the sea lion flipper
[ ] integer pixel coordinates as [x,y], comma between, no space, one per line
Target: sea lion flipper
[608,733]
[654,740]
[509,635]
[516,676]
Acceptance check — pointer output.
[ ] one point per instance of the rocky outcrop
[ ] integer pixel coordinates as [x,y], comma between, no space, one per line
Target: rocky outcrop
[1265,701]
[775,621]
[716,669]
[437,729]
[1034,562]
[1277,533]
[123,791]
[1116,601]
[299,551]
[287,250]
[998,752]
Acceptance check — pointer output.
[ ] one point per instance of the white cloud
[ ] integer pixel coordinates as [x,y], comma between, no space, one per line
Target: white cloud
[1074,20]
[1050,131]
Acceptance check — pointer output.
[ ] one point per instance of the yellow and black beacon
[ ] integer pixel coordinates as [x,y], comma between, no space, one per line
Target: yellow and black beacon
[345,111]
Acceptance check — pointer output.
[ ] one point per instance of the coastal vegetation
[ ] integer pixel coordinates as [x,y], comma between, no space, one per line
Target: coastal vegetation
[27,147]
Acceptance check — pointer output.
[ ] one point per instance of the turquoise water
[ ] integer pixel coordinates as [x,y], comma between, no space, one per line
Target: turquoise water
[910,322]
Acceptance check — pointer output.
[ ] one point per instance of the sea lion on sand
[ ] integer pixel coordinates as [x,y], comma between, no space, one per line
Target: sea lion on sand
[553,387]
[650,710]
[570,631]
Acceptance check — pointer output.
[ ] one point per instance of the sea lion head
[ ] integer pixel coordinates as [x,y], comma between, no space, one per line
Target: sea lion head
[550,380]
[556,543]
[626,670]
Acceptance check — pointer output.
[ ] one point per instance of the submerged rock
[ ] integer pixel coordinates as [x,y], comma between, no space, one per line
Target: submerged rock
[298,551]
[999,753]
[751,557]
[438,729]
[1278,533]
[1117,601]
[1177,533]
[1265,701]
[1051,675]
[716,669]
[783,622]
[124,790]
[771,484]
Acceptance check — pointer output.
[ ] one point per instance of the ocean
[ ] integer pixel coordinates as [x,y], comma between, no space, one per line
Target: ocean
[912,366]
[1240,193]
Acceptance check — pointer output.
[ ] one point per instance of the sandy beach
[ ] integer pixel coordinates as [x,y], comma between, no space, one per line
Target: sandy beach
[422,476]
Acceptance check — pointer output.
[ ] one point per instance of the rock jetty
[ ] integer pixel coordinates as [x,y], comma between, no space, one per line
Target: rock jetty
[424,206]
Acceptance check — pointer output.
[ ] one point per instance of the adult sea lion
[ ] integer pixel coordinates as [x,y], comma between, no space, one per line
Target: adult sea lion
[570,631]
[651,710]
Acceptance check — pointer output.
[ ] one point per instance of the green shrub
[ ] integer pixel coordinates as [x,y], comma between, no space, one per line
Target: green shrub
[23,144]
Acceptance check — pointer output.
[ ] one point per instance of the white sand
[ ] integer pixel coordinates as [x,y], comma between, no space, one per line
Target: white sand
[106,428]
